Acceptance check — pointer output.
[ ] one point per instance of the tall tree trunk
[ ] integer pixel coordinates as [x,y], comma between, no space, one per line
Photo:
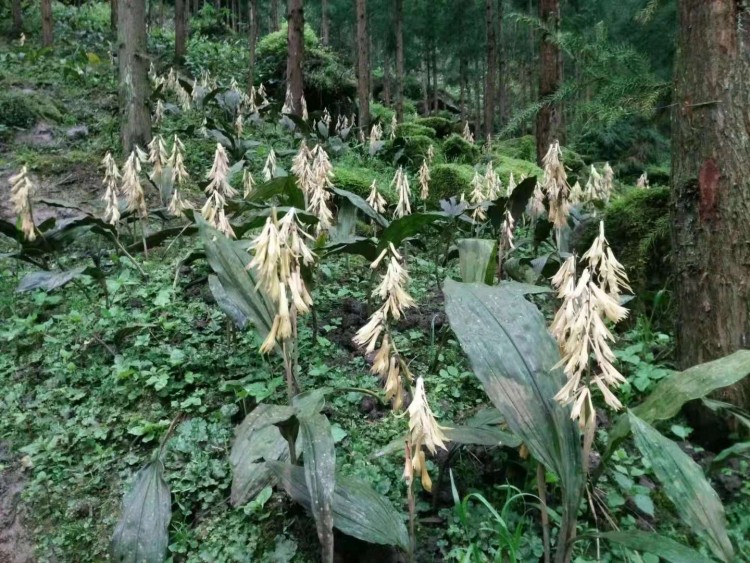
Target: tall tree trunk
[47,24]
[363,65]
[113,14]
[462,86]
[253,25]
[502,93]
[161,12]
[427,70]
[296,45]
[274,15]
[15,7]
[489,79]
[133,68]
[435,85]
[710,183]
[180,30]
[549,125]
[387,80]
[197,4]
[399,16]
[325,23]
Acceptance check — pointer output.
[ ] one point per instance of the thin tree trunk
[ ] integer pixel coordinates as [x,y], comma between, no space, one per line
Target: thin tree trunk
[324,23]
[363,65]
[47,24]
[253,24]
[462,82]
[489,84]
[549,125]
[197,4]
[180,30]
[399,16]
[131,37]
[387,80]
[161,12]
[426,100]
[15,7]
[275,15]
[296,45]
[477,96]
[435,85]
[113,14]
[502,93]
[710,184]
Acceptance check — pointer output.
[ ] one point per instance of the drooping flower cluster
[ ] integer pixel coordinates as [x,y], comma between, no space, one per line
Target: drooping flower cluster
[279,252]
[218,191]
[248,183]
[157,157]
[424,431]
[176,164]
[375,199]
[111,185]
[320,195]
[555,184]
[608,180]
[511,184]
[376,133]
[302,169]
[535,207]
[506,232]
[394,126]
[424,181]
[467,134]
[269,169]
[596,187]
[642,182]
[131,186]
[492,184]
[392,293]
[401,183]
[579,326]
[21,189]
[477,197]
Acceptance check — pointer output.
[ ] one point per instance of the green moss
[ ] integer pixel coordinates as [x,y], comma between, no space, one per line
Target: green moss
[448,180]
[522,148]
[504,165]
[457,149]
[442,126]
[384,114]
[659,175]
[409,151]
[412,128]
[22,109]
[637,227]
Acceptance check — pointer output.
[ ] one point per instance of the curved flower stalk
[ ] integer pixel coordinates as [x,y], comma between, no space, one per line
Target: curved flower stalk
[467,134]
[375,199]
[269,170]
[248,183]
[401,182]
[580,328]
[111,185]
[511,185]
[642,182]
[424,432]
[218,191]
[394,299]
[279,252]
[424,180]
[555,184]
[21,189]
[477,197]
[176,163]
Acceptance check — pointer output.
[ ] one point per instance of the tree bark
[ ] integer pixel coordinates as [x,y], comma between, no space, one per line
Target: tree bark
[180,30]
[462,85]
[502,93]
[324,23]
[15,8]
[296,45]
[435,95]
[489,79]
[113,14]
[47,24]
[399,16]
[274,15]
[197,5]
[363,65]
[710,185]
[253,24]
[386,80]
[133,69]
[549,119]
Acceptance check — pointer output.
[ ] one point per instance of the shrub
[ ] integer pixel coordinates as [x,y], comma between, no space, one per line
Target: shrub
[504,165]
[458,149]
[411,128]
[409,151]
[379,112]
[443,127]
[523,148]
[448,180]
[23,109]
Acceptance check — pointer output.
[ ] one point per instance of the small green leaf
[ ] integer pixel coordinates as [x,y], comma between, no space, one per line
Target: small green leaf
[664,547]
[644,504]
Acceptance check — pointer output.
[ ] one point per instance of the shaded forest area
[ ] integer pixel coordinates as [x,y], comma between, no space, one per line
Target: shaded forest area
[385,280]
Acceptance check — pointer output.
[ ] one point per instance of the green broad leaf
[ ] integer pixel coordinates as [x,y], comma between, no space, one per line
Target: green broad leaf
[523,288]
[477,260]
[361,204]
[735,450]
[408,226]
[319,453]
[141,535]
[49,280]
[686,486]
[358,510]
[478,436]
[284,188]
[359,246]
[511,352]
[644,504]
[160,237]
[648,542]
[310,402]
[257,440]
[229,263]
[232,309]
[346,222]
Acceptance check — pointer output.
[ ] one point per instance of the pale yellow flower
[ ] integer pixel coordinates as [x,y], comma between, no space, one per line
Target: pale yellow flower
[401,183]
[21,189]
[376,201]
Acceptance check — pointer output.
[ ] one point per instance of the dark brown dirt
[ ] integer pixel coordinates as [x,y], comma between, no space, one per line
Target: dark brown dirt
[15,543]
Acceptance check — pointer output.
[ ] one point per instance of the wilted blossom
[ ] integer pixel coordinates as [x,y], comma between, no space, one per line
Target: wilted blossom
[424,431]
[20,196]
[218,191]
[555,184]
[401,183]
[424,181]
[131,185]
[269,170]
[376,201]
[111,185]
[176,163]
[467,134]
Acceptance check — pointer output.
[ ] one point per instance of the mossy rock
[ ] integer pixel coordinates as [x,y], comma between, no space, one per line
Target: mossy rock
[659,175]
[522,148]
[504,165]
[412,128]
[443,127]
[24,109]
[449,180]
[409,151]
[459,150]
[637,227]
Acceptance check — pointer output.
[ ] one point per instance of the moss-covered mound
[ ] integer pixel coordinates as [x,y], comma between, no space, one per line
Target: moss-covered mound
[522,148]
[504,165]
[411,128]
[443,127]
[448,180]
[459,150]
[409,151]
[637,228]
[24,109]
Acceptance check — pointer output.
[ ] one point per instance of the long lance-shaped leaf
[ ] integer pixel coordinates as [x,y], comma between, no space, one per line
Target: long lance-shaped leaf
[239,283]
[513,355]
[648,542]
[686,486]
[407,226]
[358,510]
[320,476]
[476,260]
[141,535]
[361,204]
[256,441]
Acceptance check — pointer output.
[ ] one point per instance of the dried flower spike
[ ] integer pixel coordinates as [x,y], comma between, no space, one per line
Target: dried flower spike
[376,201]
[111,179]
[21,189]
[424,181]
